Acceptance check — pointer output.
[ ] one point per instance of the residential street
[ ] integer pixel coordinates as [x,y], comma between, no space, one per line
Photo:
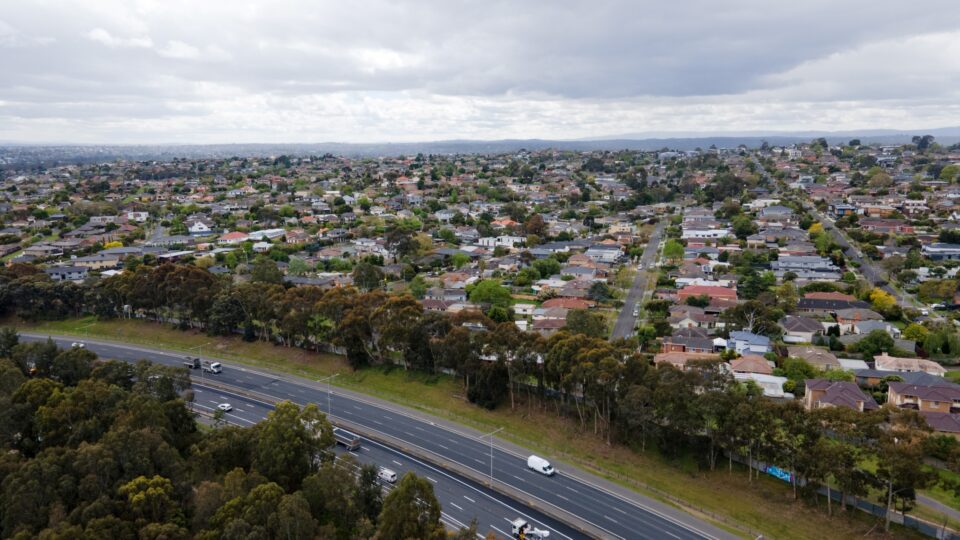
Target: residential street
[870,271]
[626,321]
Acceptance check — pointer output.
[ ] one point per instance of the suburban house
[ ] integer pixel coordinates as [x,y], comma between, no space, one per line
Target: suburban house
[751,363]
[684,360]
[941,252]
[815,356]
[799,329]
[747,342]
[706,290]
[822,393]
[945,399]
[847,318]
[885,362]
[771,385]
[67,273]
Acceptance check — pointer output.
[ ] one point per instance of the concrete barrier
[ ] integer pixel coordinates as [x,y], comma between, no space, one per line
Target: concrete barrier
[433,458]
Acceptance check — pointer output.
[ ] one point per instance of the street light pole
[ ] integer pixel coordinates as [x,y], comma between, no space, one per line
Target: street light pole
[328,379]
[491,434]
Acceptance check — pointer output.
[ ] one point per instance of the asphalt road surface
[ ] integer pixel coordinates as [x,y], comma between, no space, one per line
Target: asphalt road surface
[867,267]
[626,322]
[614,511]
[461,499]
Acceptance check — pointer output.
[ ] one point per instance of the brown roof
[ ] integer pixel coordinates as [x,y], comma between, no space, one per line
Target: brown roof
[681,359]
[569,303]
[815,356]
[841,394]
[943,422]
[751,363]
[829,296]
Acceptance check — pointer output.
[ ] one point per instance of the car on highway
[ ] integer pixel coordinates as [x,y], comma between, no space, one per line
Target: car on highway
[636,311]
[540,465]
[78,345]
[386,475]
[225,407]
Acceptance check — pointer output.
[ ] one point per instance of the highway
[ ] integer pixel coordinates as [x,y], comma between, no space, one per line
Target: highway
[626,322]
[608,508]
[461,499]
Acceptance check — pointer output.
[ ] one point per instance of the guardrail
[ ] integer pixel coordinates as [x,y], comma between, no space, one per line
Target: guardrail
[433,458]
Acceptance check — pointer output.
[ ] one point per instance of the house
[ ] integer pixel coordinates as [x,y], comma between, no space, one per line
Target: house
[98,261]
[816,357]
[200,227]
[821,393]
[706,290]
[944,423]
[941,252]
[799,329]
[67,273]
[684,360]
[688,344]
[548,327]
[885,362]
[865,327]
[943,399]
[751,363]
[771,385]
[232,238]
[847,318]
[747,342]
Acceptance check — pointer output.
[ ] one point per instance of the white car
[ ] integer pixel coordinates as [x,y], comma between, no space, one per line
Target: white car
[225,407]
[77,344]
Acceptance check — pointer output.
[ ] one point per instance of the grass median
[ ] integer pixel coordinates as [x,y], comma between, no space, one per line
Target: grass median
[762,505]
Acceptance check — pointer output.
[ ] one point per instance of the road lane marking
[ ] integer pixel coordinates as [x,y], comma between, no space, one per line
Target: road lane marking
[432,480]
[397,462]
[469,499]
[457,506]
[611,519]
[518,478]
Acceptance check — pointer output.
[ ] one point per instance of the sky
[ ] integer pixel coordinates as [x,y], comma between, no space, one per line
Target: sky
[239,71]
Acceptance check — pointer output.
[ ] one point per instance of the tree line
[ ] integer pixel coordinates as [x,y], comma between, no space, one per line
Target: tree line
[605,387]
[97,448]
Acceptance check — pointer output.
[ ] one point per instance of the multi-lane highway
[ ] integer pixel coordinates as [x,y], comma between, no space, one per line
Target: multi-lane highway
[608,510]
[461,499]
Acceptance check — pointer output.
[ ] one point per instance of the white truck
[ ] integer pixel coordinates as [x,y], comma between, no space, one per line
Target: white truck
[523,531]
[540,465]
[206,365]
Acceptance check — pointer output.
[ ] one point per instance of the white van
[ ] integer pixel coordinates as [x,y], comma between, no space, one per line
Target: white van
[387,475]
[540,465]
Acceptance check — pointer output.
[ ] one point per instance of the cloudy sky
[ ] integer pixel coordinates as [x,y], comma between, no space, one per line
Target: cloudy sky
[212,71]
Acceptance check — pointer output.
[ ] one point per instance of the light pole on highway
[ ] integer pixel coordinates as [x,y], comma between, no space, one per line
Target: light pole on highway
[328,379]
[491,434]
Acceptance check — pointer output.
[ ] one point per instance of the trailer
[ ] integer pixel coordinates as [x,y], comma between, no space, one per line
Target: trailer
[207,366]
[523,531]
[349,440]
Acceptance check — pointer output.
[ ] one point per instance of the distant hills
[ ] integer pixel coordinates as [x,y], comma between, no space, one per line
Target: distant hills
[13,154]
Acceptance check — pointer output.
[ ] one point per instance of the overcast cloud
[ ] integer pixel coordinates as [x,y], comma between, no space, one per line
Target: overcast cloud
[128,71]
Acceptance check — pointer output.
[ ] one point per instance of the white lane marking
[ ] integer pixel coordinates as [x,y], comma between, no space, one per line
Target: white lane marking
[457,506]
[518,478]
[479,461]
[442,446]
[562,497]
[571,489]
[397,462]
[385,417]
[357,408]
[620,510]
[469,499]
[610,518]
[432,480]
[418,427]
[377,423]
